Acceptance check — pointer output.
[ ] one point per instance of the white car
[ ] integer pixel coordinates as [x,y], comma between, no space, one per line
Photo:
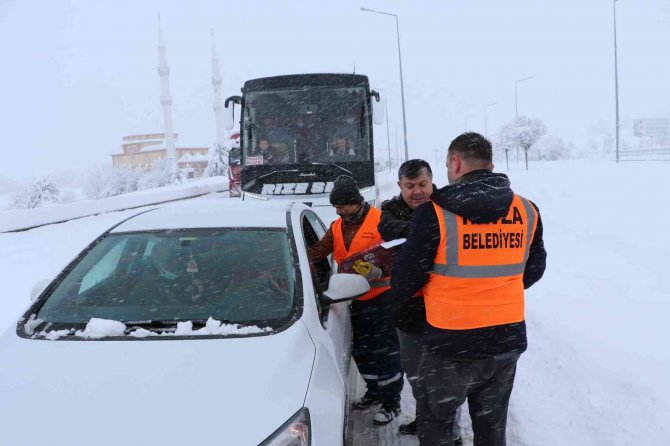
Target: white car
[189,324]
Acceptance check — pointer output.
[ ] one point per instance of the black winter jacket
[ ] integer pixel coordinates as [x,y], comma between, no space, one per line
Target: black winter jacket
[482,197]
[395,223]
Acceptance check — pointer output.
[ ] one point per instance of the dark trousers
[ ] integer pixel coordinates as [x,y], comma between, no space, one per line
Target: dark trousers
[411,347]
[444,384]
[375,347]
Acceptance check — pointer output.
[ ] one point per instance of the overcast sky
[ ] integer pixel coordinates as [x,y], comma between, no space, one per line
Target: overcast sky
[79,75]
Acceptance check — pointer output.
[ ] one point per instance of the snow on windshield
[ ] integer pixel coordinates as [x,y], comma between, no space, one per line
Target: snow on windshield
[102,328]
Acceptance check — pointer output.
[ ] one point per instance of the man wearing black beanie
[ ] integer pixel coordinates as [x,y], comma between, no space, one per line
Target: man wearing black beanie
[375,341]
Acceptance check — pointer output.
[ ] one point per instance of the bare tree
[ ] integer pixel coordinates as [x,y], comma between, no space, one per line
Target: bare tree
[522,132]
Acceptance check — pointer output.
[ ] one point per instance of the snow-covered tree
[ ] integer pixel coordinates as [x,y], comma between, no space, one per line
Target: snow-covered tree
[163,173]
[106,181]
[123,179]
[522,132]
[552,148]
[219,155]
[217,164]
[43,190]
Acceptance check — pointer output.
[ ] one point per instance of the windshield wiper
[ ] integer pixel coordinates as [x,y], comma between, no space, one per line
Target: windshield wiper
[317,163]
[151,325]
[168,324]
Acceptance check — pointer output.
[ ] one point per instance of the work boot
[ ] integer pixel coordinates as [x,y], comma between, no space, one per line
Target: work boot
[386,413]
[365,402]
[408,429]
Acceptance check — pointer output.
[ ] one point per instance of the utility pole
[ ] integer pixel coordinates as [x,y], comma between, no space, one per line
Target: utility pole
[486,132]
[397,154]
[616,84]
[402,87]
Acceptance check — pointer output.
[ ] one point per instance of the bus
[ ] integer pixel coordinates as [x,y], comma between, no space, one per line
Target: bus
[298,133]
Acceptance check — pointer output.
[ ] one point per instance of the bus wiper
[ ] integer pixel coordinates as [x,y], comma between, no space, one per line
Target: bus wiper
[317,163]
[277,171]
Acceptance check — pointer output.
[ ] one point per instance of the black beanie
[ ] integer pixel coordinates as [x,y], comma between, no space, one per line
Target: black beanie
[345,191]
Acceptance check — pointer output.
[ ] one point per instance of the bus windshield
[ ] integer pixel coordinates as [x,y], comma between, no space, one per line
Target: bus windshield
[310,125]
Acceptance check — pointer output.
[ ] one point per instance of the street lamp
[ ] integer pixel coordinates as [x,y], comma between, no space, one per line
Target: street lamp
[402,89]
[388,135]
[486,132]
[516,106]
[465,122]
[516,103]
[616,84]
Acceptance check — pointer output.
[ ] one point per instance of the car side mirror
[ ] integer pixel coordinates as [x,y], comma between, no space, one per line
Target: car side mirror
[38,288]
[342,287]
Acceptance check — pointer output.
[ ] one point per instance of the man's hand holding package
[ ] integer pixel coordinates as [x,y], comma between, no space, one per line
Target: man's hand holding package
[367,270]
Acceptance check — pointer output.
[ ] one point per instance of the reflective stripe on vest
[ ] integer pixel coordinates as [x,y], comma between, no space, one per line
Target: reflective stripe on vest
[453,269]
[366,237]
[477,275]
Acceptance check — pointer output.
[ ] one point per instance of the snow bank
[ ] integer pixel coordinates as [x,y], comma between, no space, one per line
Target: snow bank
[25,218]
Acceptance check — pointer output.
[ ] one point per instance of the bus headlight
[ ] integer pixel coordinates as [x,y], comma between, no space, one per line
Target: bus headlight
[256,196]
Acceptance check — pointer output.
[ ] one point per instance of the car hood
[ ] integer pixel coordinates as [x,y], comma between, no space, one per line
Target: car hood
[233,391]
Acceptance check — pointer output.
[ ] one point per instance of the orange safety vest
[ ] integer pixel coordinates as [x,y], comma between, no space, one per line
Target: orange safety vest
[366,236]
[477,275]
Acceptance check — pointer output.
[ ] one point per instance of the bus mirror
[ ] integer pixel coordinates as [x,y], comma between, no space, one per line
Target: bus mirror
[378,108]
[229,112]
[228,117]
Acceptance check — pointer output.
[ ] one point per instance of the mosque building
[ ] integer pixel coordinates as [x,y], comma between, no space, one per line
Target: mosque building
[140,151]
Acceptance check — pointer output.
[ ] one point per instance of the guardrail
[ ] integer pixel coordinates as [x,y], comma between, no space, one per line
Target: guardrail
[650,154]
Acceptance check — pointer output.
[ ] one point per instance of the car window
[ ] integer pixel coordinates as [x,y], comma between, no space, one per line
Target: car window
[321,271]
[236,275]
[316,223]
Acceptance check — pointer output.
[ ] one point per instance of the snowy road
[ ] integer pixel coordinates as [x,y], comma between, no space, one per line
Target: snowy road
[597,365]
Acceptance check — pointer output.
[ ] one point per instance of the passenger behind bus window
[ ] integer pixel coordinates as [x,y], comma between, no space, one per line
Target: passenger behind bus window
[340,150]
[275,134]
[349,129]
[270,154]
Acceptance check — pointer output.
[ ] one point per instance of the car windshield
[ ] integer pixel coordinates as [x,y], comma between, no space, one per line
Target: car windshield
[309,125]
[242,276]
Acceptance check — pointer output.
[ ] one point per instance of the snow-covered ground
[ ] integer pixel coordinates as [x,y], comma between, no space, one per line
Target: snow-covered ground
[597,367]
[26,218]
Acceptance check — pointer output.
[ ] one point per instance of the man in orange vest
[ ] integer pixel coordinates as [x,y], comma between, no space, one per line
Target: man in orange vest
[473,249]
[375,341]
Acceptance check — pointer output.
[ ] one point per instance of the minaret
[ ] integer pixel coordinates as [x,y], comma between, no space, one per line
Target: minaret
[216,84]
[166,99]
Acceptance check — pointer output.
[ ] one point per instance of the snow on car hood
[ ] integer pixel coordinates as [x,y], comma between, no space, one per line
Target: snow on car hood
[234,391]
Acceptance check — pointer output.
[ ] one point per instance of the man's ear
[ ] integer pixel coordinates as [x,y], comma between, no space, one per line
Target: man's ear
[457,162]
[398,183]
